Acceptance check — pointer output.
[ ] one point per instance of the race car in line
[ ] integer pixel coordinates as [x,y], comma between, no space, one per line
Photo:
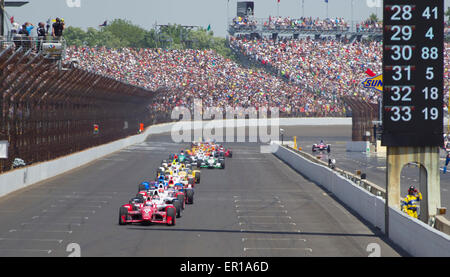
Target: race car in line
[172,191]
[212,162]
[152,210]
[321,147]
[163,201]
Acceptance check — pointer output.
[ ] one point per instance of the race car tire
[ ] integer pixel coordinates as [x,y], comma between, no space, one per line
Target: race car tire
[177,206]
[180,198]
[190,196]
[123,214]
[222,165]
[314,149]
[171,212]
[329,149]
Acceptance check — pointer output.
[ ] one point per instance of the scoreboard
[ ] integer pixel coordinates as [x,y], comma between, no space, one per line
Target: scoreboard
[413,67]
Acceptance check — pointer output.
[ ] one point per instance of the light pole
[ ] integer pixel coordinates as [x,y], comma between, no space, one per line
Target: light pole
[278,8]
[351,11]
[282,136]
[228,12]
[303,8]
[4,4]
[2,17]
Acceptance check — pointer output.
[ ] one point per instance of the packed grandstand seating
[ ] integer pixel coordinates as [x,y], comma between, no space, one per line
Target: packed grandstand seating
[305,24]
[369,26]
[188,75]
[313,75]
[331,66]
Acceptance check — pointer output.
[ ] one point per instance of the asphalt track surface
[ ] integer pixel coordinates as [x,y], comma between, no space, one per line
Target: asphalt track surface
[257,206]
[374,165]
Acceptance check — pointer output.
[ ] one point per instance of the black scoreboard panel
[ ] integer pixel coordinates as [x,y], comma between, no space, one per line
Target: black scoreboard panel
[245,8]
[413,65]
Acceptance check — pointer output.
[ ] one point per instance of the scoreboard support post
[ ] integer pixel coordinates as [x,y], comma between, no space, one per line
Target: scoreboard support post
[412,106]
[427,159]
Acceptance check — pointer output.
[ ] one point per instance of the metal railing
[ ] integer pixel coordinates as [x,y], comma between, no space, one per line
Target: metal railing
[441,223]
[48,46]
[356,179]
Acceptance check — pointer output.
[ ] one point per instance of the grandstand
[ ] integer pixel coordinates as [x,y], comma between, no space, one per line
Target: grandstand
[303,27]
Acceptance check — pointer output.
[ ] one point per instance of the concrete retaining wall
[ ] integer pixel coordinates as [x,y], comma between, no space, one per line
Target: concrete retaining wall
[23,177]
[415,237]
[442,224]
[357,146]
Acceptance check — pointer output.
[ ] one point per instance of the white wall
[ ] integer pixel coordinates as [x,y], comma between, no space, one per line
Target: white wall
[415,237]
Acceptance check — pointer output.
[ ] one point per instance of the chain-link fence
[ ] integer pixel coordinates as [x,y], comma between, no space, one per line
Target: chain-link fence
[49,109]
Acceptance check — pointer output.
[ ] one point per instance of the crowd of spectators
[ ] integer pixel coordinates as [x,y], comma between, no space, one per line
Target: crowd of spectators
[330,66]
[189,75]
[307,23]
[304,24]
[312,76]
[369,26]
[25,35]
[243,22]
[447,29]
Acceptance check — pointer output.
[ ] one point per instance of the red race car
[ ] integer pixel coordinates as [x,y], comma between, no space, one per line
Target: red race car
[226,152]
[321,147]
[229,153]
[150,210]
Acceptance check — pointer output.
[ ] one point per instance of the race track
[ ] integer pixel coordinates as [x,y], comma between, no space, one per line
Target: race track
[258,206]
[374,165]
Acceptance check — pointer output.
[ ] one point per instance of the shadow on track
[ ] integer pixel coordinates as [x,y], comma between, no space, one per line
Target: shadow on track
[253,232]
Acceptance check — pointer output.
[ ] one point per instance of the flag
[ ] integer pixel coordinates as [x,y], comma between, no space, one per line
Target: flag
[370,73]
[209,27]
[12,19]
[326,1]
[104,24]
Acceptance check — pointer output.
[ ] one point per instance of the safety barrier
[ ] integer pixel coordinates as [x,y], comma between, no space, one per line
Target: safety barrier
[23,177]
[414,236]
[363,183]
